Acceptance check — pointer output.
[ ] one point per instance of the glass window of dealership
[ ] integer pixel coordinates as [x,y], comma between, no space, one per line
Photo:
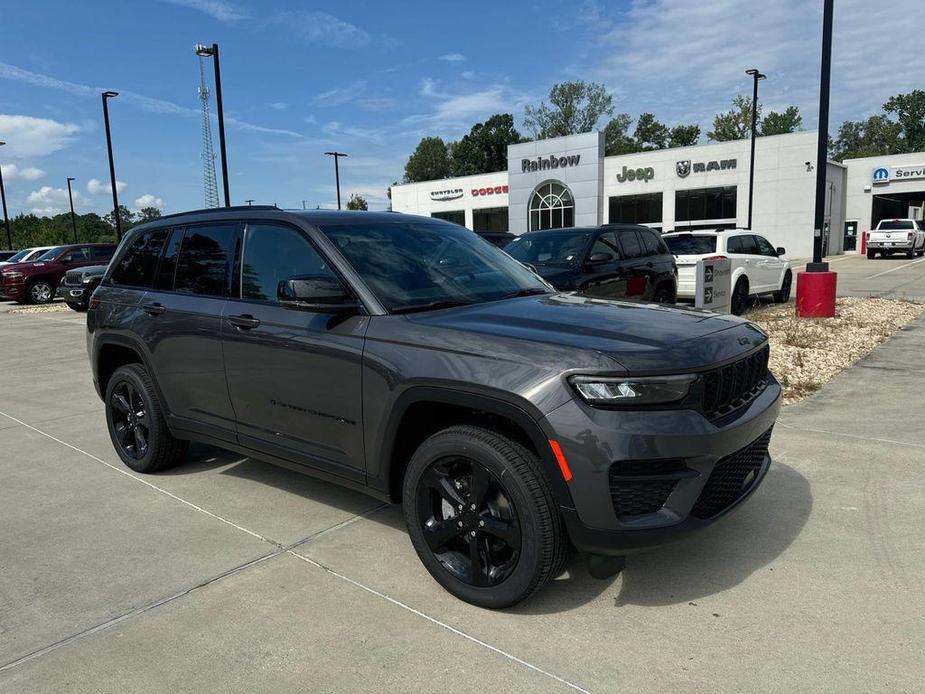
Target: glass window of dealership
[567,182]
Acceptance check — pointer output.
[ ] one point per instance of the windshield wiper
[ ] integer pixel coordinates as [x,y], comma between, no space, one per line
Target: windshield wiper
[533,291]
[432,306]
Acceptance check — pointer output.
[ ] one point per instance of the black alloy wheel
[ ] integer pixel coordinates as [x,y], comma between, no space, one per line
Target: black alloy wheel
[663,295]
[740,297]
[130,420]
[783,295]
[468,521]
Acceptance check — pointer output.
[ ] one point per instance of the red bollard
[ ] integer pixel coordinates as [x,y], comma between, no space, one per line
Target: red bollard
[816,294]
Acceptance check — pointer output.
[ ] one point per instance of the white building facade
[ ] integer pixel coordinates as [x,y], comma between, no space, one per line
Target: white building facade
[567,181]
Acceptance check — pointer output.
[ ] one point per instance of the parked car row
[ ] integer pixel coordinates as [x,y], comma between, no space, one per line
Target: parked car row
[36,275]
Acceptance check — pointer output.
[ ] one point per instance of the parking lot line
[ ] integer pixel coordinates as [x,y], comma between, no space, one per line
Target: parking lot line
[279,549]
[439,623]
[894,269]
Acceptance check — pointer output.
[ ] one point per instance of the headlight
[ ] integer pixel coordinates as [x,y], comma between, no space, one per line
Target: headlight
[12,275]
[86,280]
[654,390]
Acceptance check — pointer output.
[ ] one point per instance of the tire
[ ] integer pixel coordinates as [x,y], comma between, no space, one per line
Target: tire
[527,546]
[40,292]
[740,297]
[910,253]
[783,295]
[663,295]
[871,254]
[160,449]
[74,306]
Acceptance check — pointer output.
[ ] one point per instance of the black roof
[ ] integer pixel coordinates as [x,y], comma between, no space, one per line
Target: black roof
[590,230]
[313,216]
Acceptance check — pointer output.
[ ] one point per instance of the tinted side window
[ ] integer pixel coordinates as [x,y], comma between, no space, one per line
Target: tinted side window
[629,241]
[102,252]
[765,247]
[76,255]
[652,244]
[605,243]
[136,268]
[204,263]
[275,253]
[737,245]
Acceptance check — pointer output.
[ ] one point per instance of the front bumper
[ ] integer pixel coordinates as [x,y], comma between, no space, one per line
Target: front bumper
[12,291]
[73,294]
[674,452]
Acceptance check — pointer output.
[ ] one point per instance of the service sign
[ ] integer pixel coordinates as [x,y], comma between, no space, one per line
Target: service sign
[714,292]
[883,174]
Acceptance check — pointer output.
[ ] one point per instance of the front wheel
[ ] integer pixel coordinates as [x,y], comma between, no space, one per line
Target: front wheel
[481,516]
[41,292]
[136,423]
[783,295]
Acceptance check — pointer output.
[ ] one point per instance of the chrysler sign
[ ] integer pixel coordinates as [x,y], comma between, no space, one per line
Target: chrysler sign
[449,194]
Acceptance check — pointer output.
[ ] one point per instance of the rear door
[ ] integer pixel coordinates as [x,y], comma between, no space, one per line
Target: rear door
[659,263]
[634,264]
[743,250]
[293,375]
[181,325]
[604,278]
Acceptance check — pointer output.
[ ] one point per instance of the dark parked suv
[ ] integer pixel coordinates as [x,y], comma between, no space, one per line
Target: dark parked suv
[616,261]
[408,358]
[37,280]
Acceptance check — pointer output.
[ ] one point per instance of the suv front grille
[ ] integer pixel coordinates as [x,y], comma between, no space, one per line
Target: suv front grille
[638,487]
[72,278]
[730,387]
[732,478]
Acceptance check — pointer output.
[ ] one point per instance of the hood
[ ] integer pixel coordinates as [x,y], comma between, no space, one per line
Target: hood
[23,267]
[89,271]
[646,338]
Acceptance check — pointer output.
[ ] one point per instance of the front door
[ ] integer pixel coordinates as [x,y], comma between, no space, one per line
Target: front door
[771,266]
[293,375]
[604,276]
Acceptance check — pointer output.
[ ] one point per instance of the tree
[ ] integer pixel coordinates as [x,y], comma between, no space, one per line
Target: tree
[484,149]
[735,124]
[576,107]
[617,139]
[357,202]
[430,161]
[146,214]
[126,217]
[781,123]
[909,110]
[876,136]
[684,135]
[650,134]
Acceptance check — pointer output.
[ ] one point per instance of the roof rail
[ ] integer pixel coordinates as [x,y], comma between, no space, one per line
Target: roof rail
[220,209]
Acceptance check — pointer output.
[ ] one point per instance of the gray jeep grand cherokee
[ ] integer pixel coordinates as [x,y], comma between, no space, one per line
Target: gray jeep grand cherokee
[407,357]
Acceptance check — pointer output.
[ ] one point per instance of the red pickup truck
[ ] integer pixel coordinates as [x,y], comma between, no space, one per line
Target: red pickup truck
[37,281]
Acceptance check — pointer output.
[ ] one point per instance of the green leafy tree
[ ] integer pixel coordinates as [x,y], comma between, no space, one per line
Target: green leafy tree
[429,161]
[146,214]
[575,107]
[736,123]
[781,123]
[684,135]
[357,202]
[876,136]
[617,139]
[484,149]
[126,217]
[909,111]
[650,133]
[30,230]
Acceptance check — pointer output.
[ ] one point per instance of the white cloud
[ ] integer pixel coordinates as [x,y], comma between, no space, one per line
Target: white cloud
[338,129]
[323,29]
[95,186]
[27,136]
[467,74]
[279,105]
[48,201]
[460,111]
[11,172]
[220,10]
[453,58]
[340,95]
[148,200]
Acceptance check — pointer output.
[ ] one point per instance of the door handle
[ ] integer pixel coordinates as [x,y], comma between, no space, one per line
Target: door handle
[154,309]
[245,322]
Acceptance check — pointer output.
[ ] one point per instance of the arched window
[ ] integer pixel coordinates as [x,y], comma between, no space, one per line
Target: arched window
[551,207]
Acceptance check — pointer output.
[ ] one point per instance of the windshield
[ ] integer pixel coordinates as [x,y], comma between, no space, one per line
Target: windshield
[896,224]
[690,245]
[423,265]
[19,256]
[49,254]
[548,248]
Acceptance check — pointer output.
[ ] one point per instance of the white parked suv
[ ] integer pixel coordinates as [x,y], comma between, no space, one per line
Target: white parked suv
[757,267]
[897,236]
[26,255]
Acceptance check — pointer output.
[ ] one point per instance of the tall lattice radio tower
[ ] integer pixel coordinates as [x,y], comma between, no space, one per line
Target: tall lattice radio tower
[209,185]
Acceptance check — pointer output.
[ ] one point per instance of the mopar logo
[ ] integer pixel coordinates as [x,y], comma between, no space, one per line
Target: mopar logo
[881,175]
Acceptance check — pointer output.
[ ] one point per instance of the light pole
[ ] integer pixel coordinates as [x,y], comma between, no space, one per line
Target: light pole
[249,201]
[756,76]
[6,219]
[70,197]
[337,156]
[203,50]
[112,167]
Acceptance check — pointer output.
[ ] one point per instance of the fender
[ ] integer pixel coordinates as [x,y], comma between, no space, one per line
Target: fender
[503,404]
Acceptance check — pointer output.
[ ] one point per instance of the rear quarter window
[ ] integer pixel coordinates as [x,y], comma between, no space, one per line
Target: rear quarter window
[137,267]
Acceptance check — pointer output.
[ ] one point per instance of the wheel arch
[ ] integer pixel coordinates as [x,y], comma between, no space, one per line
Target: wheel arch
[114,351]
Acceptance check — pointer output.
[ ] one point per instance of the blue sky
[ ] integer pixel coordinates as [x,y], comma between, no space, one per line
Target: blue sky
[372,78]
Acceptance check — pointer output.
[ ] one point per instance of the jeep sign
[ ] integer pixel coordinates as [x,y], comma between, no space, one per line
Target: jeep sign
[643,173]
[551,162]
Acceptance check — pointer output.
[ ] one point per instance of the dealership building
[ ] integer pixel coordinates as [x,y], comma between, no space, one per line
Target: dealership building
[567,181]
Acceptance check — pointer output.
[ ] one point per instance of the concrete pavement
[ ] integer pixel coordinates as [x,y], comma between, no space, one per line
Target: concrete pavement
[227,574]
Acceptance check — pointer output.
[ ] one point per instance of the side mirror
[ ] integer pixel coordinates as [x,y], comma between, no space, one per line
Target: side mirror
[781,250]
[600,257]
[319,294]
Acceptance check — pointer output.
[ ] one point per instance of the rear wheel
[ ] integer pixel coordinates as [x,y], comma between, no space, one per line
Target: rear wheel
[663,295]
[783,296]
[41,292]
[871,254]
[740,297]
[481,516]
[136,423]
